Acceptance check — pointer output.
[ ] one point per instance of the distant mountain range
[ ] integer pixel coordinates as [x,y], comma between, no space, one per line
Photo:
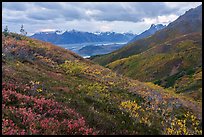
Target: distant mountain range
[154,28]
[104,49]
[77,37]
[74,36]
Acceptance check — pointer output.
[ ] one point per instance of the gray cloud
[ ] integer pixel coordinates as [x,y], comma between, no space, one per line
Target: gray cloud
[73,13]
[132,11]
[51,14]
[17,6]
[106,11]
[43,15]
[48,5]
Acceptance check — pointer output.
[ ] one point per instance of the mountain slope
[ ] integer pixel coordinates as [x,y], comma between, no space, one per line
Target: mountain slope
[167,64]
[50,90]
[153,28]
[190,22]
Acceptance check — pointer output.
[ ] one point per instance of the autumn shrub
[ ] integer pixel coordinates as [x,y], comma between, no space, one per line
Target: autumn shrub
[72,67]
[171,124]
[28,115]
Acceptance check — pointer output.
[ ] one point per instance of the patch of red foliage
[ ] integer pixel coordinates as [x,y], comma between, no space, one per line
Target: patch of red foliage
[24,115]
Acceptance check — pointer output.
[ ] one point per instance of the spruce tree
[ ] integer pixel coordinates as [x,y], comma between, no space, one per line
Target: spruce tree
[22,30]
[6,31]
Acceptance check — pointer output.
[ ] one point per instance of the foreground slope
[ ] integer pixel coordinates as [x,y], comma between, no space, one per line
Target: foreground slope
[66,94]
[190,22]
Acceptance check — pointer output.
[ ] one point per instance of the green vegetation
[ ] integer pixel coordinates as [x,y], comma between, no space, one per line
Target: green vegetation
[108,102]
[167,64]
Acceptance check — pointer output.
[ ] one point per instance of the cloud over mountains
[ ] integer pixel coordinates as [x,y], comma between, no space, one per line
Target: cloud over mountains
[52,15]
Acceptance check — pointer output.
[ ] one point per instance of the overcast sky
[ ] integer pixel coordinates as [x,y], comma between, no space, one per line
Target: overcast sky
[90,16]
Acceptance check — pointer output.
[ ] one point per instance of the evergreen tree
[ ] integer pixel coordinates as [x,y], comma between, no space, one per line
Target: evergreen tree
[22,30]
[6,31]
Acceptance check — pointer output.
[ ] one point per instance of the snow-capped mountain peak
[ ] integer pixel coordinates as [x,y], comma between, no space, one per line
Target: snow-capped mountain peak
[153,28]
[59,32]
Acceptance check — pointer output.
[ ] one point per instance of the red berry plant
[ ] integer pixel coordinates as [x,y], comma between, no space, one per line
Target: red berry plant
[28,115]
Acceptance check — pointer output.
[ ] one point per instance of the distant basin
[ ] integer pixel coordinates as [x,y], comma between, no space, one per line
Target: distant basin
[76,47]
